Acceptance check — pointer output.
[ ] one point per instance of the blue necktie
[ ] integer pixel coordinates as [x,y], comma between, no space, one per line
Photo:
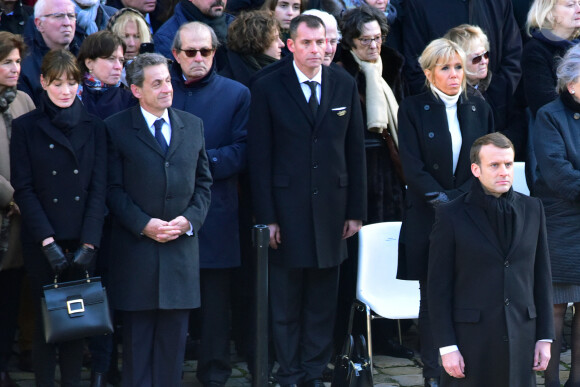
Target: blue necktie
[159,135]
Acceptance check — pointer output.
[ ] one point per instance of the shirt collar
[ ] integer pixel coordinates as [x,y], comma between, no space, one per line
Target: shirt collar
[303,78]
[151,118]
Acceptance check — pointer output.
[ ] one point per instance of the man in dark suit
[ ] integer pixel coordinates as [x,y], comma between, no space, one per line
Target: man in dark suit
[490,289]
[159,194]
[307,171]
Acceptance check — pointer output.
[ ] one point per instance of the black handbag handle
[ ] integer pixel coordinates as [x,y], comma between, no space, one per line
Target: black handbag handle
[55,283]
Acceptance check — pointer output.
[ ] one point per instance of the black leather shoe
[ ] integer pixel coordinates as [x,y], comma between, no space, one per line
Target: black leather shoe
[98,379]
[289,385]
[6,380]
[313,383]
[394,349]
[431,382]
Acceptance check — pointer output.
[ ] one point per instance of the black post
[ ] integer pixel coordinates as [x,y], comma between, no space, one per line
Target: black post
[261,239]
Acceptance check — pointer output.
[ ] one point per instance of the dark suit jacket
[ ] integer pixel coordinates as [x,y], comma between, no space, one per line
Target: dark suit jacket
[307,173]
[493,306]
[427,158]
[145,184]
[59,181]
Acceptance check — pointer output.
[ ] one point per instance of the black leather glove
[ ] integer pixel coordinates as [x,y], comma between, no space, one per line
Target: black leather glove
[55,257]
[84,257]
[436,198]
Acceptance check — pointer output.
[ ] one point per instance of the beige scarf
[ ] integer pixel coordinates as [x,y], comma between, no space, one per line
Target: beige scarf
[382,106]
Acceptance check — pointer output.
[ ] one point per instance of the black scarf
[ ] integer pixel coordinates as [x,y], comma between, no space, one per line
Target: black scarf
[64,119]
[499,211]
[6,98]
[218,24]
[258,61]
[569,101]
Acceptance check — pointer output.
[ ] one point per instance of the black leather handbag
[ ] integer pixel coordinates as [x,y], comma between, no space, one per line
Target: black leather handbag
[352,367]
[75,309]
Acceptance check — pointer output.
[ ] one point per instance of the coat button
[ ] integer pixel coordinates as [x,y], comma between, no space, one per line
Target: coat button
[54,173]
[76,171]
[315,165]
[431,134]
[426,107]
[505,338]
[55,200]
[473,108]
[51,146]
[167,164]
[315,191]
[506,301]
[576,116]
[77,198]
[506,263]
[315,139]
[214,159]
[435,166]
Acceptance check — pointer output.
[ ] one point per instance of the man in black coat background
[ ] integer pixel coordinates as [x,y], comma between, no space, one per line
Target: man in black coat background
[307,170]
[159,195]
[490,283]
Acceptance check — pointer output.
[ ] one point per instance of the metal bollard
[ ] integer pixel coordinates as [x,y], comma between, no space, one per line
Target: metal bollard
[261,240]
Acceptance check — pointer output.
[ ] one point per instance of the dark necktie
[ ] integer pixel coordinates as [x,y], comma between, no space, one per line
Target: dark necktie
[313,101]
[159,135]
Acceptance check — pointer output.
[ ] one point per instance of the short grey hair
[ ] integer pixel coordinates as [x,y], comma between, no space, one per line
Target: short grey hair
[194,28]
[327,19]
[41,5]
[136,69]
[568,69]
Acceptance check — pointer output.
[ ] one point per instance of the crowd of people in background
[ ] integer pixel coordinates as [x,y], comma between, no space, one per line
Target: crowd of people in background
[260,104]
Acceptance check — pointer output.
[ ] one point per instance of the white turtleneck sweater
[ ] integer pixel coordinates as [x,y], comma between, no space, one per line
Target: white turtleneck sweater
[450,102]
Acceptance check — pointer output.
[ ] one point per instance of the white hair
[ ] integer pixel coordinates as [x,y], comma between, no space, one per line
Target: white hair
[41,5]
[327,19]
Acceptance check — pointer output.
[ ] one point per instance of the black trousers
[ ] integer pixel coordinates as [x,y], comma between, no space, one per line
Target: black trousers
[154,347]
[10,284]
[303,308]
[213,364]
[429,354]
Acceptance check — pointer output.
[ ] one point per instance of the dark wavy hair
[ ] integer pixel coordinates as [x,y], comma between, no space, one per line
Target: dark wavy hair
[101,44]
[251,33]
[353,21]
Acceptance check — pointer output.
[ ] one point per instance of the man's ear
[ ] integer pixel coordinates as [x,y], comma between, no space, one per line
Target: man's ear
[476,170]
[136,90]
[290,45]
[38,24]
[174,52]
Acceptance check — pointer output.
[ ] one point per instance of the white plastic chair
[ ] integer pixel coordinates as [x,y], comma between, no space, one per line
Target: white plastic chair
[378,291]
[520,185]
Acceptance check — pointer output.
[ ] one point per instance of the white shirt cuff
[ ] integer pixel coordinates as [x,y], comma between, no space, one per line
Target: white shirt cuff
[190,231]
[448,349]
[547,340]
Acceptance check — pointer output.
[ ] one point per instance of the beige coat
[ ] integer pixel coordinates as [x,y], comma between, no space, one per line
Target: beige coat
[13,257]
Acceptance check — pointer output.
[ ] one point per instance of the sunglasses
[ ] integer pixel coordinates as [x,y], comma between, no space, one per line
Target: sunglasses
[205,52]
[478,58]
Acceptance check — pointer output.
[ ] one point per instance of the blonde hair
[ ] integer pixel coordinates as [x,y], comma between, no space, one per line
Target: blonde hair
[441,50]
[119,22]
[540,16]
[465,34]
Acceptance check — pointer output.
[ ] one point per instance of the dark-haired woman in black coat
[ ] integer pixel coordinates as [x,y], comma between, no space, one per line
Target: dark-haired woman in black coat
[58,167]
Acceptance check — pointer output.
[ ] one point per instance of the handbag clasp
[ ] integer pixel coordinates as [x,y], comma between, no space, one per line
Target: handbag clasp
[79,309]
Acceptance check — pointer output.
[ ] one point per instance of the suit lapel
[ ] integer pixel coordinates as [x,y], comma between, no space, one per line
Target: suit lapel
[477,214]
[177,136]
[55,133]
[290,82]
[143,132]
[327,90]
[519,222]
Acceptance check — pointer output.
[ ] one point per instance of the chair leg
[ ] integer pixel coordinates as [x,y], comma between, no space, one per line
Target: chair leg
[400,336]
[370,335]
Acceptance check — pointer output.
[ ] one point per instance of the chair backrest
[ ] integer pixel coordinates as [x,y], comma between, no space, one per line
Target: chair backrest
[520,184]
[377,285]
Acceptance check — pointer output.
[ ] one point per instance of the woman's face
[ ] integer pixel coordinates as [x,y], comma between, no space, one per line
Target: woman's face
[381,5]
[367,47]
[477,64]
[107,70]
[10,69]
[447,76]
[61,91]
[132,40]
[274,50]
[566,14]
[285,11]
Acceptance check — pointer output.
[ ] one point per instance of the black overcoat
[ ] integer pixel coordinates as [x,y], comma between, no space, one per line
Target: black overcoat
[307,173]
[493,306]
[145,184]
[427,158]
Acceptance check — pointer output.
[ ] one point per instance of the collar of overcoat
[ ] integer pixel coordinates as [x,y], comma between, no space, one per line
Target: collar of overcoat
[144,134]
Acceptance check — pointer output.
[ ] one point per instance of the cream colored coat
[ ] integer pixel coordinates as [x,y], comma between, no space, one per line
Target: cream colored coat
[13,258]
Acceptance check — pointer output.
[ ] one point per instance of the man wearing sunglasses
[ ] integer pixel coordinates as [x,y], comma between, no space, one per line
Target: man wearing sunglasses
[223,105]
[53,28]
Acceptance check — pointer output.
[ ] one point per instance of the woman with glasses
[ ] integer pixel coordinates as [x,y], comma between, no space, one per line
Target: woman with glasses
[554,26]
[436,130]
[58,166]
[476,47]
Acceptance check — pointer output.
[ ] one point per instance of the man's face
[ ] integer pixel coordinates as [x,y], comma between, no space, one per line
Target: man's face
[308,48]
[496,169]
[143,6]
[57,25]
[331,43]
[211,8]
[198,66]
[156,94]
